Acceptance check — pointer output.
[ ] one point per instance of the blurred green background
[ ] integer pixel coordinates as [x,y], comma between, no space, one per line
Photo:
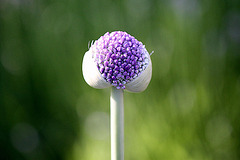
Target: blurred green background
[190,111]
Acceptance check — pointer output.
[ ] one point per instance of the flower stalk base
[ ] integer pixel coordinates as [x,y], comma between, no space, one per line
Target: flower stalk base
[117,124]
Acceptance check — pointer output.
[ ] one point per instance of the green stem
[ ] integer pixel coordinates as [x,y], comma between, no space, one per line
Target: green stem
[117,124]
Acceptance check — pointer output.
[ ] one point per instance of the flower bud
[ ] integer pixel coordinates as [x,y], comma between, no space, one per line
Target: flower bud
[117,59]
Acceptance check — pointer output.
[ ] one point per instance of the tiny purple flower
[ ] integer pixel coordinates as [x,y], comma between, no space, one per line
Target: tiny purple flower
[120,58]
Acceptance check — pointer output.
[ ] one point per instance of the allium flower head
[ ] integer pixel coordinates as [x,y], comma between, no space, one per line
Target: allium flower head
[121,59]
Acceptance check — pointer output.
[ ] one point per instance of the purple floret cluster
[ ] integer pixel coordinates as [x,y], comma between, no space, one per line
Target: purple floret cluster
[120,58]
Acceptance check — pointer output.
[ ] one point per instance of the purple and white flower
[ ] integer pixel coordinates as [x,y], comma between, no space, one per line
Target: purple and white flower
[117,59]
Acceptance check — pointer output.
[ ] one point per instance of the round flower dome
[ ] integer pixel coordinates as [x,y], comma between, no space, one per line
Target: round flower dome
[120,60]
